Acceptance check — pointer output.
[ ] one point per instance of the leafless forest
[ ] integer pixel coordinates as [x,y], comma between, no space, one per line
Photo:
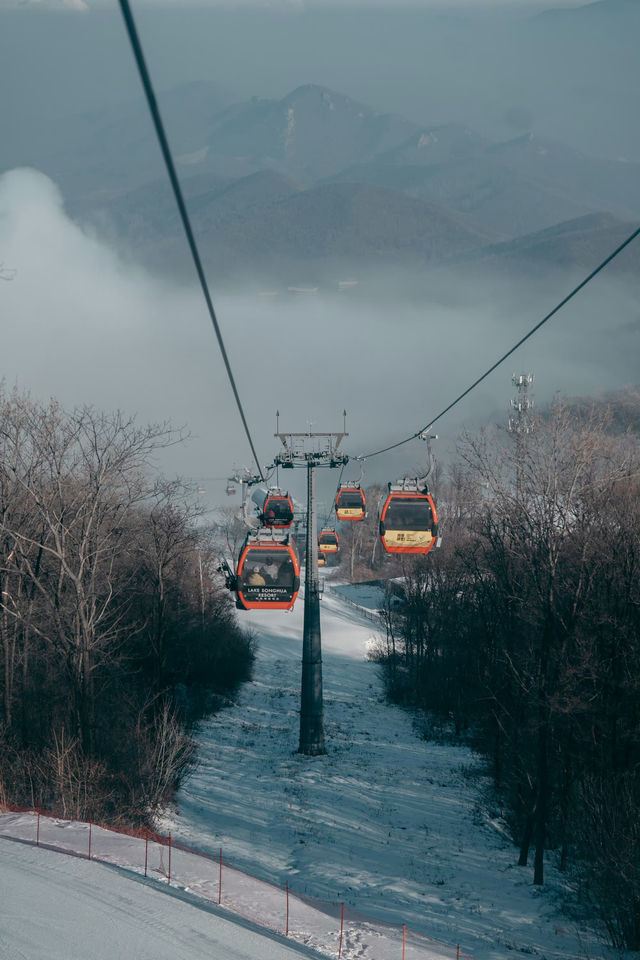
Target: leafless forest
[114,634]
[522,633]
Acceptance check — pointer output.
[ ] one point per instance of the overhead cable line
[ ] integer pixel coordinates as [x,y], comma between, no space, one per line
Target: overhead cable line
[505,356]
[332,500]
[168,159]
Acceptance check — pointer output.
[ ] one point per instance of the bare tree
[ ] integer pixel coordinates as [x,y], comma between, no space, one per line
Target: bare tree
[78,475]
[540,529]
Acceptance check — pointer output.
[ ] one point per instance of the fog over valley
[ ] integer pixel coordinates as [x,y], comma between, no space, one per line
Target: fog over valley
[85,326]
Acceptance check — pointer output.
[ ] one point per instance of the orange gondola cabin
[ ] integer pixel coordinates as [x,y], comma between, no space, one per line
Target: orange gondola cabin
[276,509]
[408,522]
[328,541]
[268,574]
[350,502]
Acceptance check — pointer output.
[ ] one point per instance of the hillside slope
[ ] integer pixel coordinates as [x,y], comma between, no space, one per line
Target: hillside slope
[394,825]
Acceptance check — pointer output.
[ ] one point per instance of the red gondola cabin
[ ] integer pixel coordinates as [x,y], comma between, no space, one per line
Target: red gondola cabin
[276,510]
[268,575]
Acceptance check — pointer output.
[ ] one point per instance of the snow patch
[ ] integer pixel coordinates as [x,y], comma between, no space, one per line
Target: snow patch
[291,125]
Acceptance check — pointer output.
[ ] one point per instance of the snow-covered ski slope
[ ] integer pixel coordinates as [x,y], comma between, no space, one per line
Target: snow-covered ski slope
[57,907]
[391,824]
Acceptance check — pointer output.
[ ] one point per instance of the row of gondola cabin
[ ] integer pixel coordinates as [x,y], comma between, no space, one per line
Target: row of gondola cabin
[268,572]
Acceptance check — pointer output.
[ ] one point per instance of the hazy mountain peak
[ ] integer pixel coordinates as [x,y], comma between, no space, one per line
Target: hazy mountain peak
[312,94]
[311,133]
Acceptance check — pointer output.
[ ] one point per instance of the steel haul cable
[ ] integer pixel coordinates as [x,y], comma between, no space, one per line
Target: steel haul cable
[506,355]
[175,184]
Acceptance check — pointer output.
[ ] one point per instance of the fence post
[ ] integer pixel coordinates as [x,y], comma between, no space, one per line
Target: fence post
[90,824]
[38,828]
[169,875]
[341,929]
[404,939]
[220,879]
[286,932]
[458,953]
[146,850]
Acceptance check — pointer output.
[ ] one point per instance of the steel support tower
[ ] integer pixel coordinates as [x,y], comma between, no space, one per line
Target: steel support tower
[296,453]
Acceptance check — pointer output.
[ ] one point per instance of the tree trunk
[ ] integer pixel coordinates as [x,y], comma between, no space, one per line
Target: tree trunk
[542,798]
[526,840]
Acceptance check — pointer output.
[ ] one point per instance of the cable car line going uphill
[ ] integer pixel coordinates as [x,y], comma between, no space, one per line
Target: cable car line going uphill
[408,519]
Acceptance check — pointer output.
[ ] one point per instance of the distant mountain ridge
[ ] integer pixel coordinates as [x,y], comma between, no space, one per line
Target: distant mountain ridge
[356,223]
[513,187]
[579,245]
[266,220]
[319,176]
[310,133]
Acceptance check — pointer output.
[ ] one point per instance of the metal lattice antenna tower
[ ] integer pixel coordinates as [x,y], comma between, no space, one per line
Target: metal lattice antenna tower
[521,421]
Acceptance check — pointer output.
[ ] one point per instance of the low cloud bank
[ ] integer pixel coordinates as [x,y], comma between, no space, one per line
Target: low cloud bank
[82,323]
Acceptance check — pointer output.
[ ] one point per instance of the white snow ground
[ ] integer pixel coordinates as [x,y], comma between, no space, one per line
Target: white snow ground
[57,907]
[390,824]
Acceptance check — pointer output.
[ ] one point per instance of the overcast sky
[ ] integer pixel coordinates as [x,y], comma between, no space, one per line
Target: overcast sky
[287,5]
